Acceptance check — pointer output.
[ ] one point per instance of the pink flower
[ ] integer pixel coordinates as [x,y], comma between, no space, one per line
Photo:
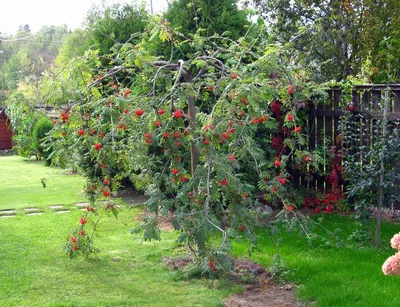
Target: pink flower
[395,242]
[392,265]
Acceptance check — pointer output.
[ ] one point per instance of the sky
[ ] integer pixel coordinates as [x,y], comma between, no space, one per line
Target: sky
[38,13]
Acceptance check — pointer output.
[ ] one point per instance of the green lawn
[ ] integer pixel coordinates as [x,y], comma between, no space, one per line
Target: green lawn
[34,271]
[21,187]
[346,276]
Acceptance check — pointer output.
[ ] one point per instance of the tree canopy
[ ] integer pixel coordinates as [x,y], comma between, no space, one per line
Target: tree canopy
[333,39]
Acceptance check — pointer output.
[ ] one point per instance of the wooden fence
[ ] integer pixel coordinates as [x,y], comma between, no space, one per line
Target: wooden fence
[366,107]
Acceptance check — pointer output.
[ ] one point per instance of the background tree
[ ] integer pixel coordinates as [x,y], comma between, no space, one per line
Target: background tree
[218,16]
[335,38]
[113,26]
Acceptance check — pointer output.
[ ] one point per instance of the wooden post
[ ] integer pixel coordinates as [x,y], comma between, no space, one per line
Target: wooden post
[382,172]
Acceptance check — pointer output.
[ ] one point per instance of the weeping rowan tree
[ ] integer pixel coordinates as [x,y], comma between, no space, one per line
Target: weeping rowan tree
[196,134]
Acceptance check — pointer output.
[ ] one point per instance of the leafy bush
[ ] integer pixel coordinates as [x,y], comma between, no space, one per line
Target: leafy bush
[40,130]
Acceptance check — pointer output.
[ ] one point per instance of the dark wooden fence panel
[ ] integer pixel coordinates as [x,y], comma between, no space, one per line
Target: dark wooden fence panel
[324,129]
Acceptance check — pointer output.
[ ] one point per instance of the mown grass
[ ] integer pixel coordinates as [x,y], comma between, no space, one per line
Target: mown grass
[330,276]
[34,271]
[21,187]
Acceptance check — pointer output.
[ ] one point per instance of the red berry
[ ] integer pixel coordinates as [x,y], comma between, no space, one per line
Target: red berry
[177,114]
[297,129]
[232,158]
[126,111]
[161,112]
[234,76]
[106,181]
[277,163]
[81,132]
[73,239]
[223,182]
[106,193]
[206,141]
[290,117]
[244,101]
[64,116]
[83,221]
[291,89]
[139,112]
[225,135]
[97,146]
[255,121]
[177,134]
[157,123]
[175,171]
[127,92]
[282,180]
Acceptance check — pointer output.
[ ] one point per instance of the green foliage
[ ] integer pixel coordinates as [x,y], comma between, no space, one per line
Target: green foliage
[336,39]
[221,17]
[40,130]
[114,25]
[27,56]
[364,175]
[188,129]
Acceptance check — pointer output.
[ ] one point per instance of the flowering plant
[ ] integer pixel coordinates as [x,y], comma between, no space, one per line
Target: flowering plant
[392,265]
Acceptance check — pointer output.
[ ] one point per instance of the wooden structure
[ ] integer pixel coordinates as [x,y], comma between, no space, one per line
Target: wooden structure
[5,131]
[365,107]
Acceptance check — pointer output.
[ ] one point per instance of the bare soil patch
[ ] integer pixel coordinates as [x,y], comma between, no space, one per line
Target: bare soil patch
[260,290]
